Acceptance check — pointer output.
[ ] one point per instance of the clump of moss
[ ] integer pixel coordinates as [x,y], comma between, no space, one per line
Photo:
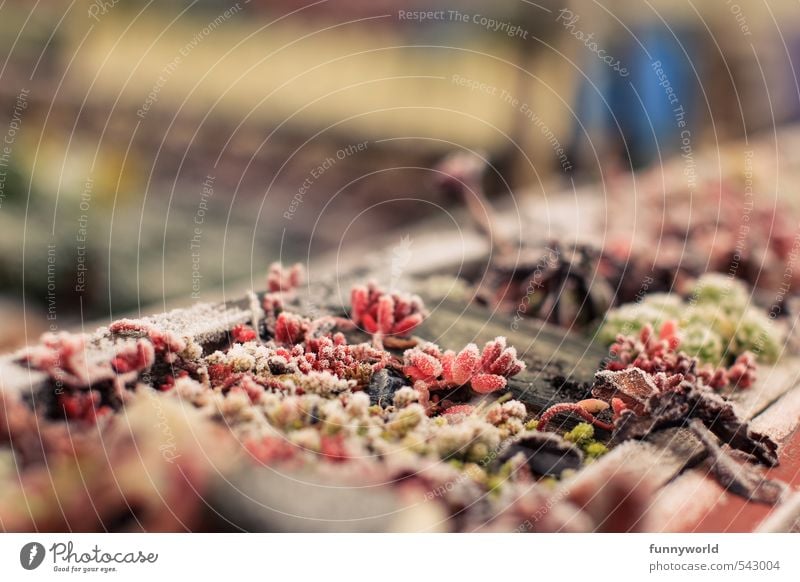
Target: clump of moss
[583,436]
[717,322]
[595,449]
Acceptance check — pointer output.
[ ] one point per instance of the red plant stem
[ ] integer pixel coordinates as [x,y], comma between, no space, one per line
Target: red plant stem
[548,415]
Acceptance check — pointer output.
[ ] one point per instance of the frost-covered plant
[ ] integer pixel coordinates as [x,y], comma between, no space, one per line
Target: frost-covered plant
[329,354]
[282,285]
[485,371]
[384,314]
[661,355]
[717,324]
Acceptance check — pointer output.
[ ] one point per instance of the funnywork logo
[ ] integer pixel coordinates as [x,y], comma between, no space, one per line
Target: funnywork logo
[31,555]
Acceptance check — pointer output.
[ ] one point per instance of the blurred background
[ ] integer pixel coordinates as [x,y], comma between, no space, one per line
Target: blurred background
[159,153]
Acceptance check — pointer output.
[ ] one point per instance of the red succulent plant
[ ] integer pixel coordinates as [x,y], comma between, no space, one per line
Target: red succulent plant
[431,369]
[658,354]
[382,314]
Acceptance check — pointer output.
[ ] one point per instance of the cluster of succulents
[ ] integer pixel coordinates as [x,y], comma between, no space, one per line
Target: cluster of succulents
[465,457]
[282,286]
[311,403]
[295,391]
[384,314]
[87,389]
[353,363]
[661,355]
[309,393]
[484,371]
[716,323]
[286,410]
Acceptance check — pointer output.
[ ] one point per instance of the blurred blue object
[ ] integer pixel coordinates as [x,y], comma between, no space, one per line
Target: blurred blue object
[633,115]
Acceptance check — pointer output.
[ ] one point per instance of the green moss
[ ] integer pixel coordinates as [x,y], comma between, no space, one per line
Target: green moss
[581,434]
[701,342]
[754,334]
[595,449]
[717,323]
[494,483]
[629,319]
[719,289]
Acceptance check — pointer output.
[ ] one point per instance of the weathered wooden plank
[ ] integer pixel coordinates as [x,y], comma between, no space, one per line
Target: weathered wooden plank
[657,462]
[780,421]
[636,460]
[553,339]
[785,518]
[773,382]
[667,454]
[735,514]
[782,418]
[206,323]
[690,496]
